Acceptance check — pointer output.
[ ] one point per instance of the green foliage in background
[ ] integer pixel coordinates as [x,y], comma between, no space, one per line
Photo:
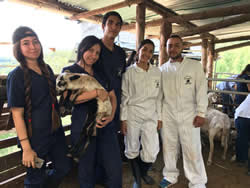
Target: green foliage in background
[57,60]
[232,61]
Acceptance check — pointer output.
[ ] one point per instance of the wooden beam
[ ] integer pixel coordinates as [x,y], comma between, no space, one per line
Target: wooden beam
[165,12]
[189,44]
[215,26]
[87,14]
[210,63]
[165,32]
[191,38]
[5,43]
[140,23]
[232,47]
[204,54]
[219,12]
[158,8]
[233,39]
[153,23]
[152,37]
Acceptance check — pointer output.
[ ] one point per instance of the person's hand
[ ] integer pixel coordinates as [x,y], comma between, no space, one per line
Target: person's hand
[124,127]
[159,125]
[104,121]
[29,156]
[102,94]
[198,121]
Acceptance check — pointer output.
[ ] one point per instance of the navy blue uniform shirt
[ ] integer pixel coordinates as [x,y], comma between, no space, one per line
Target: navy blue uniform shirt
[113,63]
[80,110]
[41,105]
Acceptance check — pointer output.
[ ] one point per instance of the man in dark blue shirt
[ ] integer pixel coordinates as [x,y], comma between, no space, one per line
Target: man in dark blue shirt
[112,62]
[112,57]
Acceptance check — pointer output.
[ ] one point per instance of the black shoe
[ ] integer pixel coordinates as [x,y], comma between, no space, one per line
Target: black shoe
[148,180]
[136,172]
[241,163]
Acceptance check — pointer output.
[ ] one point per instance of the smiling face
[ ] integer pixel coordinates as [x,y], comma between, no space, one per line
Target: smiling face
[30,48]
[145,53]
[174,48]
[112,27]
[92,55]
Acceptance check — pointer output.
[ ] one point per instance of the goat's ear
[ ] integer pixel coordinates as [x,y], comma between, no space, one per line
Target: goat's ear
[75,77]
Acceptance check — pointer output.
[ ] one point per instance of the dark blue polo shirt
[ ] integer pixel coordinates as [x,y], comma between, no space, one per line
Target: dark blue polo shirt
[80,111]
[113,63]
[41,105]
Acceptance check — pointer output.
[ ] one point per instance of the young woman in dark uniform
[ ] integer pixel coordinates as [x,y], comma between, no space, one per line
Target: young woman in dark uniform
[101,146]
[32,100]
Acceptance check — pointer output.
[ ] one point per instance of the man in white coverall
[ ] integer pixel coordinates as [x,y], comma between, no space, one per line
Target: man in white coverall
[184,106]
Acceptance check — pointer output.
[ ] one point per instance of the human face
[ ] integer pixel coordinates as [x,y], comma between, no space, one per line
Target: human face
[30,48]
[146,53]
[174,48]
[112,27]
[92,55]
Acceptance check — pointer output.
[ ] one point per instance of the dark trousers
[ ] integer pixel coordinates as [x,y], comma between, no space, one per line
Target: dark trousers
[243,137]
[36,178]
[227,102]
[103,152]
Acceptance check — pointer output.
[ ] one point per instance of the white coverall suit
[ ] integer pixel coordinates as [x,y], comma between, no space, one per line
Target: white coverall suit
[141,109]
[184,96]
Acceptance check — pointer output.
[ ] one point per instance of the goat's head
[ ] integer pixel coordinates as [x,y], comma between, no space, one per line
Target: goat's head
[63,80]
[212,98]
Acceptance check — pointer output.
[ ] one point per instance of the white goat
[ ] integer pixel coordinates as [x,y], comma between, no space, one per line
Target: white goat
[217,124]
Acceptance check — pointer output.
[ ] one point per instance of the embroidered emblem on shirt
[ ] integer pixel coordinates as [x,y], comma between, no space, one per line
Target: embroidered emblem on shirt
[119,72]
[188,80]
[157,84]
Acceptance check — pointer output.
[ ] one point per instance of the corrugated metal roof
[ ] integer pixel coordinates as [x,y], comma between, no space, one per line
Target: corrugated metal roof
[180,7]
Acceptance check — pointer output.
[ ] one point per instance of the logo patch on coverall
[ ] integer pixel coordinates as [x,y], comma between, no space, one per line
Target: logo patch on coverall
[157,83]
[188,80]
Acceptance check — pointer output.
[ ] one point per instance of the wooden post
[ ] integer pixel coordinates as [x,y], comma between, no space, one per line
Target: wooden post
[210,62]
[165,32]
[204,54]
[140,23]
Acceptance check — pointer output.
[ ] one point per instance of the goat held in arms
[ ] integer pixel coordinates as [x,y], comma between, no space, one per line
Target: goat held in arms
[75,84]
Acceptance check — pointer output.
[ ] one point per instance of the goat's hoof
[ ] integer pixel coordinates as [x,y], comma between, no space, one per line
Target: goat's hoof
[76,159]
[233,158]
[209,163]
[69,155]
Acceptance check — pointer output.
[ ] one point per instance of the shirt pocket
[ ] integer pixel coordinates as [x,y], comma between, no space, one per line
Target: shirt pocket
[154,86]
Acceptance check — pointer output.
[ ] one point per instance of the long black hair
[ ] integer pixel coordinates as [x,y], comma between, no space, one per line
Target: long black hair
[245,70]
[134,55]
[20,33]
[85,45]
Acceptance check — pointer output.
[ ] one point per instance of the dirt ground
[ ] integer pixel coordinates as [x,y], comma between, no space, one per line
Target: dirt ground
[221,174]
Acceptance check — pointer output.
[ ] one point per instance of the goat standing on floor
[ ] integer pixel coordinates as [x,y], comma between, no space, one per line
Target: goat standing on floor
[217,125]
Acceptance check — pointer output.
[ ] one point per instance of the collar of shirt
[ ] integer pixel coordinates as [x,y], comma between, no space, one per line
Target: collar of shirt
[175,61]
[139,69]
